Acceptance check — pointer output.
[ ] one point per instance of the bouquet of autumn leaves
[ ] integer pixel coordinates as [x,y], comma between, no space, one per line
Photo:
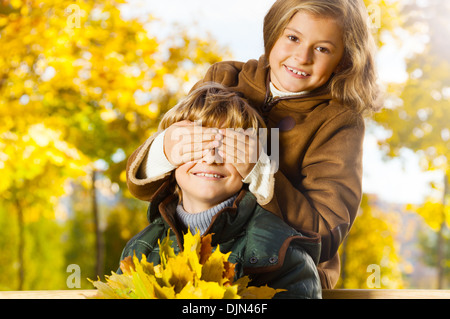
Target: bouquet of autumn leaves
[195,273]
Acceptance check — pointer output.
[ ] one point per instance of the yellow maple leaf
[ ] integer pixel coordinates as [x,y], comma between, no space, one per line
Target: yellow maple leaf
[179,273]
[191,251]
[214,267]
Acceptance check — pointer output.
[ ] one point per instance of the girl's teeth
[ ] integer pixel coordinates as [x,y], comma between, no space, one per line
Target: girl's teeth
[298,72]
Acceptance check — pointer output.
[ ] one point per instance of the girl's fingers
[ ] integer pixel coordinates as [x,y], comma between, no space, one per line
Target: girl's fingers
[186,142]
[199,146]
[191,157]
[243,168]
[189,141]
[205,134]
[193,134]
[240,147]
[188,152]
[232,154]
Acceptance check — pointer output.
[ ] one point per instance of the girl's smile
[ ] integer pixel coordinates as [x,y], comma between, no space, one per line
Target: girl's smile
[297,72]
[307,53]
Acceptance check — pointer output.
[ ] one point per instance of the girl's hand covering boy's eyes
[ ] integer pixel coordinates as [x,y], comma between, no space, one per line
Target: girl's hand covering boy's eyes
[240,148]
[187,141]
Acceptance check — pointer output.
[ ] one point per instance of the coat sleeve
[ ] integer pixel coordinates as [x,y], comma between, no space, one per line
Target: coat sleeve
[327,198]
[225,73]
[297,275]
[139,185]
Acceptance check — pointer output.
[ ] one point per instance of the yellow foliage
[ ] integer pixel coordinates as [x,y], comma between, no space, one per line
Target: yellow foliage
[371,241]
[77,82]
[195,273]
[434,214]
[76,85]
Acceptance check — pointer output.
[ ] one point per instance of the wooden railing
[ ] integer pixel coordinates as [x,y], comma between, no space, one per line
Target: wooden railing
[327,294]
[385,294]
[48,294]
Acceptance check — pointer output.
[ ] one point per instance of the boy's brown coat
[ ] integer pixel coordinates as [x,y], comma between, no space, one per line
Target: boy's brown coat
[318,183]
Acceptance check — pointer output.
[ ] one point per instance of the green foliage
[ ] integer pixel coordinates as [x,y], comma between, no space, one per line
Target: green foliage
[428,244]
[43,251]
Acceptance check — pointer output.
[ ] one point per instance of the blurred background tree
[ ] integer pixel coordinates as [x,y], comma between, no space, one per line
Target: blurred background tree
[415,117]
[81,86]
[418,112]
[372,239]
[371,242]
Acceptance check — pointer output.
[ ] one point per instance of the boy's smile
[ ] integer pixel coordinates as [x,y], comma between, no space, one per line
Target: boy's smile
[204,184]
[210,175]
[307,53]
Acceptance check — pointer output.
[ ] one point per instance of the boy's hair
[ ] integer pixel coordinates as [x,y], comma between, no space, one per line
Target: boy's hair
[214,106]
[355,84]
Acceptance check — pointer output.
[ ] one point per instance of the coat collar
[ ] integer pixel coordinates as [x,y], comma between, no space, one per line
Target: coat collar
[226,224]
[265,251]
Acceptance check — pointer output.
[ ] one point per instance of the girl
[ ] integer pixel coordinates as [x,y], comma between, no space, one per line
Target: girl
[314,83]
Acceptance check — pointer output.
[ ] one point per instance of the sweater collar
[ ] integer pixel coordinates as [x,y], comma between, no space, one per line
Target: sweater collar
[277,93]
[202,220]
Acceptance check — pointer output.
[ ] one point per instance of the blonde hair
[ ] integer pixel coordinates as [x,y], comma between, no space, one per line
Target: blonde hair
[214,106]
[355,84]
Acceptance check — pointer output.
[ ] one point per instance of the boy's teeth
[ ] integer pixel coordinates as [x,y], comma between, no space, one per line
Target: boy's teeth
[209,175]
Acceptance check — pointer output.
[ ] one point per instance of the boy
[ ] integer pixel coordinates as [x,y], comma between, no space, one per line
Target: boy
[208,195]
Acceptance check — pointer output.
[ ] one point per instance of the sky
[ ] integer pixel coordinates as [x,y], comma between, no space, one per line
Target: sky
[237,24]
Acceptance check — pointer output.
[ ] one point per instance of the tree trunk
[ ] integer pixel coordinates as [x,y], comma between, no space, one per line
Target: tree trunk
[99,245]
[441,242]
[21,248]
[441,257]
